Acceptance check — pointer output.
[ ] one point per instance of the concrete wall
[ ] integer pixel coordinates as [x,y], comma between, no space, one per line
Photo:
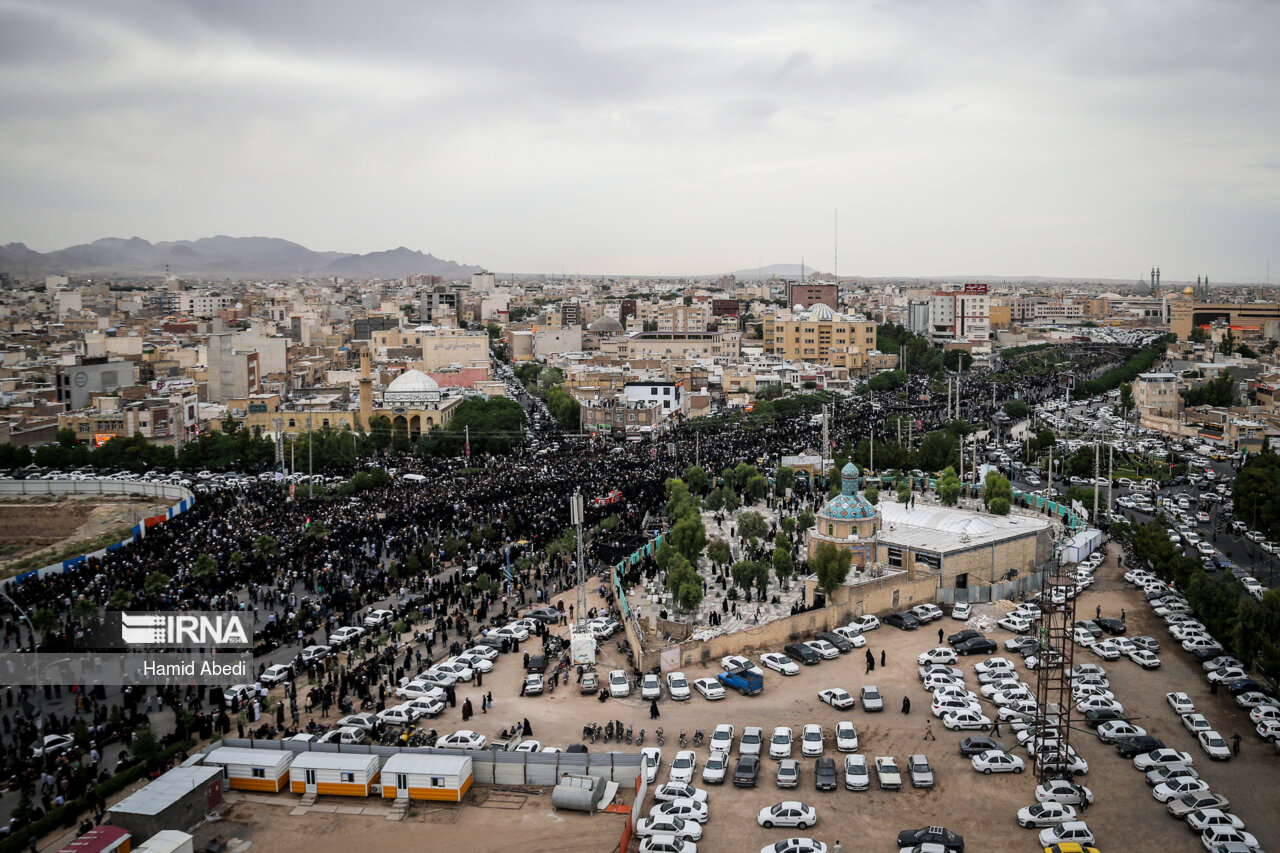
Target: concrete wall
[875,597]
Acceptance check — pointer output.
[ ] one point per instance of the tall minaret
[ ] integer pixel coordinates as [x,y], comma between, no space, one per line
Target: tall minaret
[366,390]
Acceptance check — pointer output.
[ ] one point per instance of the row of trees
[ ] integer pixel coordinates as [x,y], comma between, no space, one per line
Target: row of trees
[1256,493]
[1248,628]
[546,383]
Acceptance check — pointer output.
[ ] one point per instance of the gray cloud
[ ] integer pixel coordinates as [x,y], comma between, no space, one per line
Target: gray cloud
[1058,139]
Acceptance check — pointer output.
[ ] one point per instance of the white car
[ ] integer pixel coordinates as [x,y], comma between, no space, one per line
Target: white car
[1106,650]
[836,698]
[462,739]
[1216,838]
[846,737]
[938,655]
[683,808]
[378,618]
[856,777]
[1177,787]
[1195,723]
[683,766]
[1113,731]
[996,761]
[1063,791]
[677,686]
[715,768]
[418,689]
[1253,699]
[1065,833]
[652,761]
[1045,814]
[961,610]
[722,738]
[426,706]
[811,740]
[751,741]
[1013,623]
[1265,711]
[824,649]
[1224,674]
[455,669]
[1214,745]
[342,636]
[994,665]
[1162,758]
[966,720]
[650,687]
[780,743]
[853,635]
[944,704]
[871,699]
[399,715]
[887,772]
[619,684]
[663,825]
[1201,819]
[865,623]
[1099,703]
[736,662]
[1180,702]
[53,745]
[484,652]
[276,674]
[709,688]
[780,663]
[789,813]
[1144,659]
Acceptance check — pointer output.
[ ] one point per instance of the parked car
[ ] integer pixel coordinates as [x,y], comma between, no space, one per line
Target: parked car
[824,774]
[856,777]
[920,771]
[802,653]
[836,698]
[788,773]
[677,686]
[871,699]
[888,773]
[715,768]
[746,772]
[846,737]
[902,621]
[935,835]
[787,813]
[995,761]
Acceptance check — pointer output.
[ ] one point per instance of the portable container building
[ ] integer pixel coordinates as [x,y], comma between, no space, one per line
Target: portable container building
[426,777]
[342,773]
[168,841]
[252,769]
[100,839]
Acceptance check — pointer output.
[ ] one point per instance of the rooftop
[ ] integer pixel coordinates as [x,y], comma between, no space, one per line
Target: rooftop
[940,529]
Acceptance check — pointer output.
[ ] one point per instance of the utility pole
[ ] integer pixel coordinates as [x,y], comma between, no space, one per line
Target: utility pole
[873,450]
[1111,459]
[697,449]
[575,517]
[311,484]
[1097,449]
[826,442]
[466,448]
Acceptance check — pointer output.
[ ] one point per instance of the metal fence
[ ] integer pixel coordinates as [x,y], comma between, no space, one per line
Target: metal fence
[488,767]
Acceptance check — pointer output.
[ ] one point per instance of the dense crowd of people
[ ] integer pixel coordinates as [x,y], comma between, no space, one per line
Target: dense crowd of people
[306,565]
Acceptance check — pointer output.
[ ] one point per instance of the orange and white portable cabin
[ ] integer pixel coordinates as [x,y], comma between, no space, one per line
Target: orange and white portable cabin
[426,777]
[252,769]
[347,774]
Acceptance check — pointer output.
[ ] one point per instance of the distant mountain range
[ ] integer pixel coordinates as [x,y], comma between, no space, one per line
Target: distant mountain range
[222,257]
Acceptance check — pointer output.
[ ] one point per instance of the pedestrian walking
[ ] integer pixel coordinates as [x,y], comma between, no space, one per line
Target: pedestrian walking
[995,728]
[837,848]
[906,704]
[1097,613]
[882,657]
[940,636]
[1122,615]
[1235,745]
[928,731]
[653,709]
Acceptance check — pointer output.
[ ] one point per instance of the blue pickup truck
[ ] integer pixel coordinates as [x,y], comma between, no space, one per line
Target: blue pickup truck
[743,680]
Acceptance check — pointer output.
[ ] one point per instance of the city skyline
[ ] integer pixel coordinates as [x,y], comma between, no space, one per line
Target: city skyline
[999,140]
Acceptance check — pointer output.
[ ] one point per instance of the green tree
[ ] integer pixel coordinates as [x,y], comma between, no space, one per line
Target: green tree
[1199,335]
[904,492]
[696,478]
[949,488]
[45,621]
[784,478]
[121,599]
[744,573]
[788,526]
[756,488]
[681,503]
[831,565]
[84,611]
[783,565]
[156,583]
[146,746]
[1017,409]
[804,521]
[751,525]
[689,537]
[1228,343]
[265,546]
[997,487]
[873,495]
[205,569]
[1126,399]
[1000,506]
[719,553]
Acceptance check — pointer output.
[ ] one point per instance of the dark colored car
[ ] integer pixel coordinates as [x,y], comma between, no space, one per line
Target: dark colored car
[1025,646]
[1141,745]
[1203,655]
[976,646]
[1098,716]
[903,621]
[932,835]
[549,615]
[802,653]
[824,774]
[537,663]
[577,747]
[744,775]
[841,643]
[961,636]
[495,643]
[1244,685]
[971,746]
[1114,627]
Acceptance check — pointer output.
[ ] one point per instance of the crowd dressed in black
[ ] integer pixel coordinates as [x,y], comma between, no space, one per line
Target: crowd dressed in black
[330,558]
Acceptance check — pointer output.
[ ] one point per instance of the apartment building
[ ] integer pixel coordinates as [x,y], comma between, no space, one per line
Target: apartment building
[962,314]
[811,334]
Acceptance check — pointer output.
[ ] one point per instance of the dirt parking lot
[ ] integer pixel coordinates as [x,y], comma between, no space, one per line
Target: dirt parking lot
[1125,816]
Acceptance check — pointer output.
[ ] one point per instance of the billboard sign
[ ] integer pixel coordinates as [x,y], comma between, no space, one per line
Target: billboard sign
[101,438]
[975,288]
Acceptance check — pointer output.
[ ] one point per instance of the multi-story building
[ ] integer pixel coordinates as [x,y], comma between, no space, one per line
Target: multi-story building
[620,417]
[962,314]
[810,335]
[682,319]
[439,306]
[670,395]
[724,308]
[809,295]
[1156,394]
[917,316]
[78,384]
[232,372]
[717,345]
[441,347]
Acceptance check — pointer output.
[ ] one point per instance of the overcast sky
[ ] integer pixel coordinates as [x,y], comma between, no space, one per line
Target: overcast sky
[1065,139]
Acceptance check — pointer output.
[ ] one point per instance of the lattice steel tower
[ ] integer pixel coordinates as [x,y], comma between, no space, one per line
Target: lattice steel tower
[1054,703]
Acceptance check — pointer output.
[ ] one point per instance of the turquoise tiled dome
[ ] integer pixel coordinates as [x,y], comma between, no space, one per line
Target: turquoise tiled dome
[849,504]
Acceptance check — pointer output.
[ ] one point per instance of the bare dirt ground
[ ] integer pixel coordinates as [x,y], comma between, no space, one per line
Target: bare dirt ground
[1125,817]
[38,526]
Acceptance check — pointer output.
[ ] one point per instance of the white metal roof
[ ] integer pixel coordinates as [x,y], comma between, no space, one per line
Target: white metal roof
[939,529]
[335,761]
[252,757]
[428,765]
